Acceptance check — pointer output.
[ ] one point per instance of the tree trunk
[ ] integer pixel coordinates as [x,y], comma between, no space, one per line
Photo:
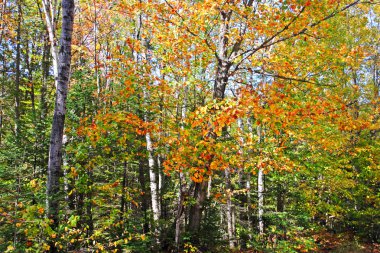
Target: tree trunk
[56,138]
[2,94]
[50,10]
[154,187]
[1,113]
[89,219]
[220,84]
[209,185]
[260,190]
[96,59]
[195,215]
[182,180]
[280,198]
[155,201]
[144,200]
[2,24]
[161,183]
[229,214]
[153,179]
[18,71]
[122,200]
[180,208]
[28,56]
[123,188]
[45,76]
[248,186]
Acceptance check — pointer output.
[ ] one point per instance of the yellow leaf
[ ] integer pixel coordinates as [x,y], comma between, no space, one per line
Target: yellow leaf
[214,165]
[45,247]
[33,183]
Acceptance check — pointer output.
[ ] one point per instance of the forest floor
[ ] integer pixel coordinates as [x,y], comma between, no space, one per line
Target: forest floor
[344,243]
[335,243]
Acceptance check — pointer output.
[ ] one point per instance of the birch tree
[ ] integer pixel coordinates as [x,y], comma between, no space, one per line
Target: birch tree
[51,11]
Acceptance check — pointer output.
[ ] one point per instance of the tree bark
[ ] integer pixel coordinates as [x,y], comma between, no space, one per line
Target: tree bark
[155,201]
[260,190]
[221,80]
[145,199]
[50,10]
[248,185]
[123,188]
[2,24]
[195,214]
[18,70]
[1,97]
[153,179]
[56,138]
[180,208]
[229,214]
[280,198]
[182,181]
[89,218]
[45,76]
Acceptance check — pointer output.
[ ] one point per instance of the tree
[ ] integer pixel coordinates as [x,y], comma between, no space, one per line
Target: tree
[56,139]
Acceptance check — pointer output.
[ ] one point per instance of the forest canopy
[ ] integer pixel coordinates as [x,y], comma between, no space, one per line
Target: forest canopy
[189,126]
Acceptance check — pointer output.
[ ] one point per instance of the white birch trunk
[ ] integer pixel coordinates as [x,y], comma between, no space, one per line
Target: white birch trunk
[248,184]
[65,172]
[260,190]
[153,180]
[160,176]
[209,184]
[50,10]
[241,139]
[182,182]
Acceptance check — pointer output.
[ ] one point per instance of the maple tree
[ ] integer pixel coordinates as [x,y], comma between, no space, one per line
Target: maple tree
[191,126]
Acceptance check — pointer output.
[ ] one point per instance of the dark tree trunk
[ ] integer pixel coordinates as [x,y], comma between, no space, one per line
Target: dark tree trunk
[280,198]
[89,219]
[145,197]
[220,84]
[1,96]
[229,213]
[56,139]
[122,198]
[45,76]
[221,79]
[195,215]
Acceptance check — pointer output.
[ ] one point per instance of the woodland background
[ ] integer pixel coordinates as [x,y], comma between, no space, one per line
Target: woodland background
[190,126]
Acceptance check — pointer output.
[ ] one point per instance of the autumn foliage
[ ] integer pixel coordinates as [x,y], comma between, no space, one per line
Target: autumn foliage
[257,119]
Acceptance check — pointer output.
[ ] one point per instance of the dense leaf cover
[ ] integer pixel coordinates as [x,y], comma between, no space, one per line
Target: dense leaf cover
[258,119]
